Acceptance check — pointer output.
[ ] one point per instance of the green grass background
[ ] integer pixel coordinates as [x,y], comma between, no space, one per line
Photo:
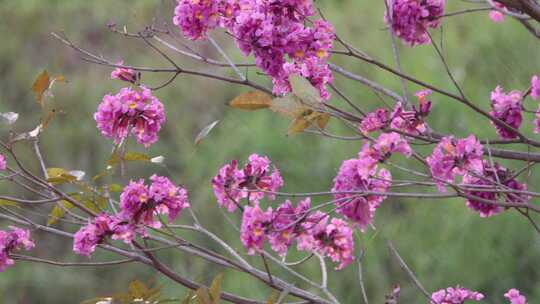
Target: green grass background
[443,242]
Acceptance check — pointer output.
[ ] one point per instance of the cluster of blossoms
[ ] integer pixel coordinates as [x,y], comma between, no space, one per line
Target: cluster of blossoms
[273,31]
[489,179]
[515,297]
[359,175]
[125,74]
[233,184]
[495,14]
[411,122]
[459,295]
[102,226]
[132,110]
[3,163]
[506,107]
[455,157]
[410,19]
[140,205]
[15,239]
[314,232]
[281,227]
[535,93]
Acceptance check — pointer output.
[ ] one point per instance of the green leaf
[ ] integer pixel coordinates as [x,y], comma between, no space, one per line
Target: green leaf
[115,188]
[135,156]
[58,211]
[215,288]
[8,203]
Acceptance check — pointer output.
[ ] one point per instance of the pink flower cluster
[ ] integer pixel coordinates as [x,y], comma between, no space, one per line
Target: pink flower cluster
[134,111]
[233,184]
[410,19]
[506,107]
[457,295]
[139,205]
[124,74]
[496,15]
[515,297]
[313,232]
[15,239]
[455,157]
[535,93]
[411,122]
[274,31]
[3,163]
[102,226]
[489,178]
[359,175]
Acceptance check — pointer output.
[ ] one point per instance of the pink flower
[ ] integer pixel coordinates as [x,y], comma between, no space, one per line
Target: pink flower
[360,175]
[452,157]
[374,121]
[287,225]
[506,107]
[495,15]
[457,295]
[140,204]
[124,74]
[274,31]
[535,87]
[489,178]
[3,163]
[102,226]
[13,240]
[133,111]
[388,143]
[333,239]
[255,227]
[412,122]
[232,184]
[410,19]
[515,297]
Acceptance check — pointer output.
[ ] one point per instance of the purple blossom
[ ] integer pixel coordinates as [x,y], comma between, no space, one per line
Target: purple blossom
[360,209]
[232,184]
[515,297]
[133,111]
[287,225]
[506,107]
[3,163]
[254,228]
[410,19]
[196,17]
[457,295]
[13,240]
[489,178]
[535,87]
[453,157]
[374,121]
[124,74]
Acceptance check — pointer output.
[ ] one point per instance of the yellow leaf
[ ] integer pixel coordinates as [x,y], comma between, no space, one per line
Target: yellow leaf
[322,120]
[215,288]
[137,289]
[4,202]
[40,86]
[251,101]
[202,296]
[298,126]
[135,156]
[58,212]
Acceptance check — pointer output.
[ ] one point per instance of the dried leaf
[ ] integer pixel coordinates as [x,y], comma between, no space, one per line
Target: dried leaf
[273,297]
[40,86]
[137,289]
[322,120]
[288,106]
[304,90]
[298,126]
[251,101]
[215,288]
[204,132]
[202,296]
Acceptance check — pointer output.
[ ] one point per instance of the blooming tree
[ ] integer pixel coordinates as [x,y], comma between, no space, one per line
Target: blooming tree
[292,43]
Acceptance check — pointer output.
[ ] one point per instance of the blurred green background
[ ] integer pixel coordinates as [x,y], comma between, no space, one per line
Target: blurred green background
[443,242]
